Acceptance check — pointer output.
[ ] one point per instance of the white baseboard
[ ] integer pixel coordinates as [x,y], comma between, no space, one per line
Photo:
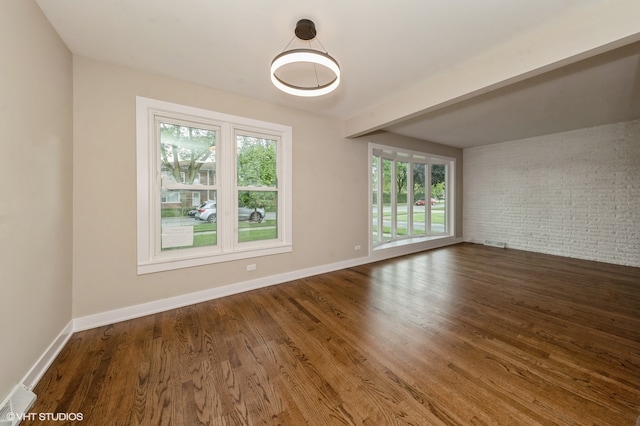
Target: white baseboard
[130,312]
[122,314]
[40,367]
[136,311]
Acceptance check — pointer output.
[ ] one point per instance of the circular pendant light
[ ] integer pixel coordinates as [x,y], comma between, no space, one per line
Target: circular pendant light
[305,71]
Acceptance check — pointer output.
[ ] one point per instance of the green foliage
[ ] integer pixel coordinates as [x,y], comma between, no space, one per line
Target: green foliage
[256,161]
[437,190]
[438,172]
[419,178]
[258,199]
[185,149]
[175,212]
[401,178]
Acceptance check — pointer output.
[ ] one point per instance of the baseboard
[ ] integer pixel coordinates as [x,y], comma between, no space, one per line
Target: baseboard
[46,359]
[136,311]
[91,321]
[400,249]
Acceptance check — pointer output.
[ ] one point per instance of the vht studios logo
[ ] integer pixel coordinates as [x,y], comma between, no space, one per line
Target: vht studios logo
[52,417]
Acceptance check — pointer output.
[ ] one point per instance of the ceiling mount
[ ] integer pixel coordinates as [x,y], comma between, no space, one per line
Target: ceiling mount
[305,29]
[305,71]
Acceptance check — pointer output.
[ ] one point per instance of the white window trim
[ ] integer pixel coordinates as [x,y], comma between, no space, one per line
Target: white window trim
[148,181]
[449,191]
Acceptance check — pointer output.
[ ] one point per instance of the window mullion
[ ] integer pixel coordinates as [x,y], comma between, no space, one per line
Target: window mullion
[227,188]
[388,159]
[410,201]
[155,195]
[171,136]
[380,223]
[394,200]
[427,198]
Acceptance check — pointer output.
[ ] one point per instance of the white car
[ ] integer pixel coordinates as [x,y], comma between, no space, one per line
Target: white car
[207,212]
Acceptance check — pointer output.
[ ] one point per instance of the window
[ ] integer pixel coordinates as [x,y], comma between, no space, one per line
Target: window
[195,199]
[211,187]
[410,195]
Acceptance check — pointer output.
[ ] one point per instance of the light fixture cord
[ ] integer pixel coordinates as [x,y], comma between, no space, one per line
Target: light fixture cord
[315,67]
[289,44]
[320,43]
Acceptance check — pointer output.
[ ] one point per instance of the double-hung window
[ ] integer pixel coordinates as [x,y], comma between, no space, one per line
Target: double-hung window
[212,187]
[411,195]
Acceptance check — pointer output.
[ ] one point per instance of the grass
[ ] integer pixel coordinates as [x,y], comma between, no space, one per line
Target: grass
[205,234]
[258,234]
[437,216]
[266,230]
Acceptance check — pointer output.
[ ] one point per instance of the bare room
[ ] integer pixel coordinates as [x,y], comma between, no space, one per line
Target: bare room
[324,213]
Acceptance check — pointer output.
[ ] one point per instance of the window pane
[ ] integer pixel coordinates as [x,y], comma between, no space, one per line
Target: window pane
[257,215]
[374,199]
[187,155]
[438,216]
[179,230]
[402,218]
[420,200]
[256,159]
[387,216]
[187,159]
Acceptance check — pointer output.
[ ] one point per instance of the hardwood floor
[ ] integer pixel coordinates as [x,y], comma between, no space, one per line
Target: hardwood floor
[464,335]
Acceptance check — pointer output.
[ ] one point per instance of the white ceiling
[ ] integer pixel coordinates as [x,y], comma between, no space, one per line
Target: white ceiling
[385,50]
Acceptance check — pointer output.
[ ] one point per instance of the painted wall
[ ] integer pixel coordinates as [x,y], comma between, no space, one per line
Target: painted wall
[35,188]
[574,194]
[329,190]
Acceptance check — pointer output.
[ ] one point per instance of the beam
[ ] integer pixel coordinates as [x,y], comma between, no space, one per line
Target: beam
[575,36]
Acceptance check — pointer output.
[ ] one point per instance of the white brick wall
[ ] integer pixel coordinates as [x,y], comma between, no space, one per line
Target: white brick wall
[574,194]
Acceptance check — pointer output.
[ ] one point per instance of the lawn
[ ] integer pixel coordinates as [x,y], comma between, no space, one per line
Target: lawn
[437,215]
[205,234]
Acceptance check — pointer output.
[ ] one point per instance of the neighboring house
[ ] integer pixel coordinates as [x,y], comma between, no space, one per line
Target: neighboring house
[184,195]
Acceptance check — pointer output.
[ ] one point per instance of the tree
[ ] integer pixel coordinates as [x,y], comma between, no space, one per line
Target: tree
[401,177]
[437,190]
[419,177]
[185,149]
[437,174]
[256,161]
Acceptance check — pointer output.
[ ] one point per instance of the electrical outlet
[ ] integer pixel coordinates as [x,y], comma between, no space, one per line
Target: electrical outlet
[251,267]
[356,248]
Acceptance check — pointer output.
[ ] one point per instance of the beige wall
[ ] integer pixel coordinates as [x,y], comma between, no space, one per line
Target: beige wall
[329,190]
[68,217]
[35,188]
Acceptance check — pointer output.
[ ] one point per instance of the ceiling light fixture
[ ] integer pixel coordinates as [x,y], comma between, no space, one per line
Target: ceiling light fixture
[305,71]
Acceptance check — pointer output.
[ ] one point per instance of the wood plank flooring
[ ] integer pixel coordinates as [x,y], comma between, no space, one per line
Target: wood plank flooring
[463,335]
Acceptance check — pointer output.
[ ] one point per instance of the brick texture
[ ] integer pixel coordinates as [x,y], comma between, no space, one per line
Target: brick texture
[574,194]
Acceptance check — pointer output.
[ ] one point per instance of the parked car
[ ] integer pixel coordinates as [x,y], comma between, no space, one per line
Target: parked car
[194,210]
[421,202]
[208,212]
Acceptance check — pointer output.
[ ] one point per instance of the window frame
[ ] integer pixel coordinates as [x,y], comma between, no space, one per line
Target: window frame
[412,157]
[149,258]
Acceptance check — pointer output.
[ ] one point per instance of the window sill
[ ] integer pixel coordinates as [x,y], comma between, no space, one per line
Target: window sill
[171,264]
[410,241]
